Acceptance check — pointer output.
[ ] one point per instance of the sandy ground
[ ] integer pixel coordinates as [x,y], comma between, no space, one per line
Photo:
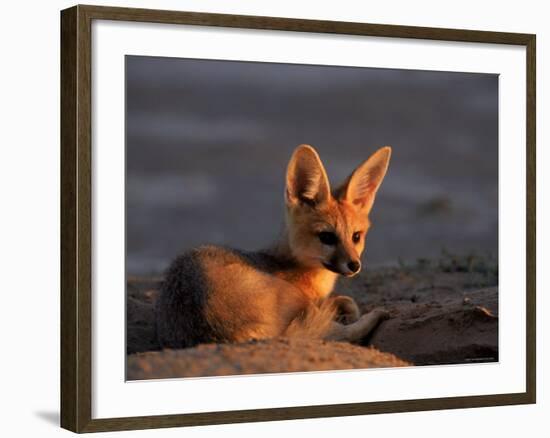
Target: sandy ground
[442,312]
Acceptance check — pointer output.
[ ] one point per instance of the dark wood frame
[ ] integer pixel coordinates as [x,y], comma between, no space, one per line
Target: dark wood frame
[76,304]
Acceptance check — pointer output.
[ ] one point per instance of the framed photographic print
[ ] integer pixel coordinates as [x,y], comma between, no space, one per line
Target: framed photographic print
[305,218]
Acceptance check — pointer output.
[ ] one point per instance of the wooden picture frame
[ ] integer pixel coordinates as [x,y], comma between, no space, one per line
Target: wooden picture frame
[76,218]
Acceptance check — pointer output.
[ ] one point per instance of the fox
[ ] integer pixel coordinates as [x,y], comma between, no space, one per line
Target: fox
[215,294]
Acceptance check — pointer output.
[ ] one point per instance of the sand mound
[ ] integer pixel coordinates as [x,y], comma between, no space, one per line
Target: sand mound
[273,356]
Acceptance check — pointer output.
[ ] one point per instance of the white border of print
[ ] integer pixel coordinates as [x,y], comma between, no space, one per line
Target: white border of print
[113,397]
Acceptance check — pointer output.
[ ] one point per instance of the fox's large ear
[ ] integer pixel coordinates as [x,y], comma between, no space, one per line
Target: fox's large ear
[306,179]
[361,186]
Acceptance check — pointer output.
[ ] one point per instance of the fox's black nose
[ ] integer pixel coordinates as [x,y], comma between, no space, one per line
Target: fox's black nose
[354,266]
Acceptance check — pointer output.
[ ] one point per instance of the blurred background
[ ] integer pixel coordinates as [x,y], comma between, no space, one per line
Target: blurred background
[207,144]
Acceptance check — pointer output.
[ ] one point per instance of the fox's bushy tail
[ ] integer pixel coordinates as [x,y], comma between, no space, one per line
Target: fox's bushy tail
[315,322]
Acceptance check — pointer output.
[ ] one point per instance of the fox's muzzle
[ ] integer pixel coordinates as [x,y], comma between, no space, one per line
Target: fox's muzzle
[347,269]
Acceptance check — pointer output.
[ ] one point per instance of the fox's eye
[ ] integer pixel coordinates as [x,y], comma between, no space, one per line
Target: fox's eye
[328,238]
[356,237]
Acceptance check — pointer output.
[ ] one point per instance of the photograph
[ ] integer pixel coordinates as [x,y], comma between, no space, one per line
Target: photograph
[266,218]
[304,218]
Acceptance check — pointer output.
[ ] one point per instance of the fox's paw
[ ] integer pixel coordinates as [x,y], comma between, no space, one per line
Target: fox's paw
[347,311]
[380,314]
